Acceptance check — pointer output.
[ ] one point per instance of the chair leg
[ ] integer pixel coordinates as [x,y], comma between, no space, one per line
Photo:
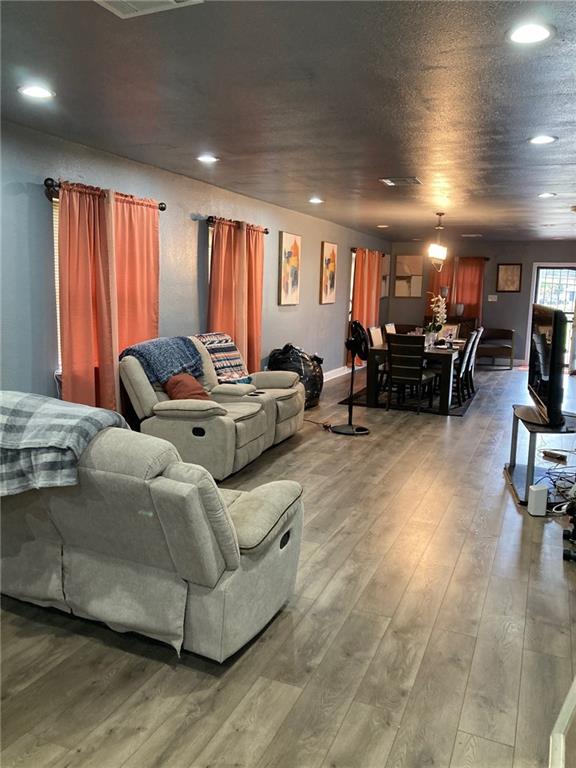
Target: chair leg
[419,395]
[459,391]
[389,398]
[431,394]
[472,387]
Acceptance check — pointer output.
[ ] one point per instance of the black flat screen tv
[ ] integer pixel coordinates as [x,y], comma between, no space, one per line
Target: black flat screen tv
[546,367]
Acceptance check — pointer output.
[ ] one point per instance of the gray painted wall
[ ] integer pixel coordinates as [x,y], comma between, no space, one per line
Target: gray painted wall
[511,310]
[29,353]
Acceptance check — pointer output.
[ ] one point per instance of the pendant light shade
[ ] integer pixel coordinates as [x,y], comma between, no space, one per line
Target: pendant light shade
[437,253]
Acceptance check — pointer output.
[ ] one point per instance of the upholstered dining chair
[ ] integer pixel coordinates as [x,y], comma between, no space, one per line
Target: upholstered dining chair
[461,382]
[406,367]
[450,331]
[472,360]
[375,334]
[377,340]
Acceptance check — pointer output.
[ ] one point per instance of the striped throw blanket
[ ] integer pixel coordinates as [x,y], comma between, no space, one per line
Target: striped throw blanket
[42,439]
[228,363]
[166,357]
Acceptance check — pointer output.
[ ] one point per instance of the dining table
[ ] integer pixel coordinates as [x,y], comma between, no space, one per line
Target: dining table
[445,358]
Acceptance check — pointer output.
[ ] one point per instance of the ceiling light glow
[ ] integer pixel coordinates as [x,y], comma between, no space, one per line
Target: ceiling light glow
[382,226]
[315,200]
[388,182]
[36,92]
[546,195]
[207,158]
[471,234]
[543,139]
[526,34]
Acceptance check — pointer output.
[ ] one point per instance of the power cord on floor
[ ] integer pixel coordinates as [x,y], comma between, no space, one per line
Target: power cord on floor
[324,424]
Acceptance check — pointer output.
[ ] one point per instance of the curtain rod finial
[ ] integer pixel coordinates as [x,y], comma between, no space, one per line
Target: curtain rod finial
[162,206]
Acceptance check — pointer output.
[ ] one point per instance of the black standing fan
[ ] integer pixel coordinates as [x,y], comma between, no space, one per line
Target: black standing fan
[358,345]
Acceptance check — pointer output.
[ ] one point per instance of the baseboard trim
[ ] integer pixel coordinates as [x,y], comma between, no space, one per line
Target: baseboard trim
[336,373]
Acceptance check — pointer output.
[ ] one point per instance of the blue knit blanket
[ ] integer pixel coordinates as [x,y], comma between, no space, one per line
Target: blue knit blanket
[42,439]
[165,357]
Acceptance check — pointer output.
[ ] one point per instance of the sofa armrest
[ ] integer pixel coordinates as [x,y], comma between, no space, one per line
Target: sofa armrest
[274,379]
[189,409]
[232,390]
[259,516]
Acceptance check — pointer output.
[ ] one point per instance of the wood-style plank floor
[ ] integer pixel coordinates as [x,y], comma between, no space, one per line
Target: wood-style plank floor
[434,624]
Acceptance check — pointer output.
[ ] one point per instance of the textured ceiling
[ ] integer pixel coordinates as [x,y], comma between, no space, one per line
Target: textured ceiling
[302,98]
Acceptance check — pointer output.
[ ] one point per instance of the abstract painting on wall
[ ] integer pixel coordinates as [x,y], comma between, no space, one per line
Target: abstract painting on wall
[289,282]
[328,273]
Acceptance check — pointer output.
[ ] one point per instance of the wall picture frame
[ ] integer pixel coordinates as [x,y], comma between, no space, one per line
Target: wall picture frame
[509,278]
[328,260]
[289,269]
[409,274]
[385,288]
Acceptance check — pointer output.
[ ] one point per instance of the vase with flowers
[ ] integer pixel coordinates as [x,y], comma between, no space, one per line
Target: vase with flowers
[439,316]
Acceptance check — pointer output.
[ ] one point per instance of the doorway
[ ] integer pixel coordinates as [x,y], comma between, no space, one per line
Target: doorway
[555,286]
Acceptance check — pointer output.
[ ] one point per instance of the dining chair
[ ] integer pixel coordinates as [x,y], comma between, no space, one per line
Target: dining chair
[375,334]
[376,340]
[449,332]
[406,367]
[472,360]
[461,383]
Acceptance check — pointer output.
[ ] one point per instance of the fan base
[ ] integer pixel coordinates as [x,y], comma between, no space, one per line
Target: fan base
[349,429]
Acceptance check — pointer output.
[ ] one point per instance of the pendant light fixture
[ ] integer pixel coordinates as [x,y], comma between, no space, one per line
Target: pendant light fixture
[437,252]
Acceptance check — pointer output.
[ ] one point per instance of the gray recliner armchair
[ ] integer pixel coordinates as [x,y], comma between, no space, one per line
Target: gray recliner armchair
[147,543]
[221,436]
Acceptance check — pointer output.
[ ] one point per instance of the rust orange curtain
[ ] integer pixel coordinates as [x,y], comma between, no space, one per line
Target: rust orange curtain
[469,286]
[137,245]
[235,293]
[87,297]
[443,279]
[109,254]
[367,288]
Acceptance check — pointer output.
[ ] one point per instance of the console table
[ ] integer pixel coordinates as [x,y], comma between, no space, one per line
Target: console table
[521,476]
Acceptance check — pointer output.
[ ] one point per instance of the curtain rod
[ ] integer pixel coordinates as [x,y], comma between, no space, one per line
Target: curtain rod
[211,220]
[52,187]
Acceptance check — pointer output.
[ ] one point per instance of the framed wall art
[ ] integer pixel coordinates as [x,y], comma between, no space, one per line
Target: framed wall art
[408,279]
[509,278]
[385,291]
[289,270]
[328,273]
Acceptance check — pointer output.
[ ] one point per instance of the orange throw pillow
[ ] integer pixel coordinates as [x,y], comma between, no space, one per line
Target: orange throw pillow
[184,386]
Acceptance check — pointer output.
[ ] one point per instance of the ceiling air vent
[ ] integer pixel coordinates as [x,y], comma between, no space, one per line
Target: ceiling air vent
[129,9]
[400,181]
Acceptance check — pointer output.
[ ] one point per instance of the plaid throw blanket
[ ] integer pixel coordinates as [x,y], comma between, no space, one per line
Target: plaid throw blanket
[165,357]
[42,439]
[227,360]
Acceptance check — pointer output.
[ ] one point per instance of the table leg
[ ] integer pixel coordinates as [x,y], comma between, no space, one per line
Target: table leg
[372,381]
[446,375]
[531,462]
[513,442]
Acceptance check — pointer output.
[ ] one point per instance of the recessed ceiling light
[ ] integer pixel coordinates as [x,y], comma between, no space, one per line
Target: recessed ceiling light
[416,239]
[544,139]
[382,226]
[36,92]
[388,182]
[207,158]
[315,200]
[526,34]
[546,195]
[471,234]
